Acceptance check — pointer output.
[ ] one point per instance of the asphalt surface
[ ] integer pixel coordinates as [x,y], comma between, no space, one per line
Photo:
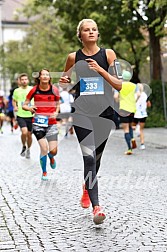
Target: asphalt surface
[40,215]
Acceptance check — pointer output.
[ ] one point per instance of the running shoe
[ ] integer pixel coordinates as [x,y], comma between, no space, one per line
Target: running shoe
[15,126]
[28,153]
[44,176]
[52,163]
[99,215]
[142,147]
[23,152]
[1,131]
[71,130]
[85,200]
[66,135]
[128,152]
[134,145]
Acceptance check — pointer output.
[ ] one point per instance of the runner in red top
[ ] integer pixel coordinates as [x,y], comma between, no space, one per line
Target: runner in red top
[2,106]
[45,110]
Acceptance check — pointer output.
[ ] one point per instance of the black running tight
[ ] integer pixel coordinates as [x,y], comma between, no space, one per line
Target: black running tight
[92,134]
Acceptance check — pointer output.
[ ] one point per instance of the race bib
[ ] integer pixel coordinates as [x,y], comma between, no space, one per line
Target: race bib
[91,85]
[41,120]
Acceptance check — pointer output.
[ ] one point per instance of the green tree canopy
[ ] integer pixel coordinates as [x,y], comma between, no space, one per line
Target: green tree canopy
[42,47]
[130,27]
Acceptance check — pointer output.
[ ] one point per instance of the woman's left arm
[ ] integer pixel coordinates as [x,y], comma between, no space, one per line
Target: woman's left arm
[113,81]
[57,107]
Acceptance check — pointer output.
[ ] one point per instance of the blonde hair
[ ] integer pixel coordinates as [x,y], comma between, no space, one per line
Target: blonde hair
[80,25]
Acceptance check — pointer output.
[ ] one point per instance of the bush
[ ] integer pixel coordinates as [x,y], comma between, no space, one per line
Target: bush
[156,112]
[155,119]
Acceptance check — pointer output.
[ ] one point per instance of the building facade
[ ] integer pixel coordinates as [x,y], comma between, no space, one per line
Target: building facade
[12,27]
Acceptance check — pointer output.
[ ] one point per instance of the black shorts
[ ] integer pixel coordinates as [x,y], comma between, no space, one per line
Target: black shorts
[138,120]
[10,114]
[127,119]
[25,122]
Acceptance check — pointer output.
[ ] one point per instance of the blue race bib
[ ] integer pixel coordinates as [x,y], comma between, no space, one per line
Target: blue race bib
[41,120]
[91,85]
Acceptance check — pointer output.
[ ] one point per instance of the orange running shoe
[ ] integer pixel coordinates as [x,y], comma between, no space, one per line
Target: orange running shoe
[99,215]
[44,176]
[15,126]
[85,200]
[52,163]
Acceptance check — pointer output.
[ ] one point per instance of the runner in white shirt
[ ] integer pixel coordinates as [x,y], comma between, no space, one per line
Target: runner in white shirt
[140,115]
[65,109]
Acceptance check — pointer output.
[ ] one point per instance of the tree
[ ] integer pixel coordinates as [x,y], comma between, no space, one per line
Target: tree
[152,14]
[127,21]
[42,47]
[116,28]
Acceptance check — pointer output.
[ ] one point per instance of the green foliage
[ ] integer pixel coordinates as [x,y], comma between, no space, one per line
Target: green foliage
[152,17]
[151,13]
[43,46]
[10,61]
[123,26]
[155,119]
[156,112]
[156,97]
[119,29]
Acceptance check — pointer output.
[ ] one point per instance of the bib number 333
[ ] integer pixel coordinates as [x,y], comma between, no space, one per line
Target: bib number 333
[91,86]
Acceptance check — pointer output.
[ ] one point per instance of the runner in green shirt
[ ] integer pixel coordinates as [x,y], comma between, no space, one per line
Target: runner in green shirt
[127,108]
[24,118]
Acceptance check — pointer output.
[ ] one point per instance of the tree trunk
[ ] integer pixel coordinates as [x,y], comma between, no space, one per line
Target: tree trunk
[136,72]
[155,56]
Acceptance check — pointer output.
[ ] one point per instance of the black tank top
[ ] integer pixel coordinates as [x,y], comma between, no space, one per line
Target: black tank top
[100,57]
[92,104]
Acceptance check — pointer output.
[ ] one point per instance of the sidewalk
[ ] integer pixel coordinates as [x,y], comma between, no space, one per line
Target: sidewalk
[153,136]
[156,136]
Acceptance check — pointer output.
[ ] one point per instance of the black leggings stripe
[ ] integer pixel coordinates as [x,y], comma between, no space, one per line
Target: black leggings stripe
[93,136]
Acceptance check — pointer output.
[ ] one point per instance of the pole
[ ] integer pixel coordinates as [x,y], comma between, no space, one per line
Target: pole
[163,91]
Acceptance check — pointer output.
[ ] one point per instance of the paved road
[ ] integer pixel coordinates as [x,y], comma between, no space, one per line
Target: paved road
[46,216]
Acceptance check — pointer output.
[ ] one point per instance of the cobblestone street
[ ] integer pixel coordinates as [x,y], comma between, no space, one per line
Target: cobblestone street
[46,216]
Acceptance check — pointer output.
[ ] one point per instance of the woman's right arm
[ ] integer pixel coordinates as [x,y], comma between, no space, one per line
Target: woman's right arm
[68,69]
[29,97]
[26,106]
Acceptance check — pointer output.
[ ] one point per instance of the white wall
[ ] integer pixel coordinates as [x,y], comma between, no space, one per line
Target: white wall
[12,33]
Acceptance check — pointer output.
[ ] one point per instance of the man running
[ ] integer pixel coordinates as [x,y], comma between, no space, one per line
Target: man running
[24,118]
